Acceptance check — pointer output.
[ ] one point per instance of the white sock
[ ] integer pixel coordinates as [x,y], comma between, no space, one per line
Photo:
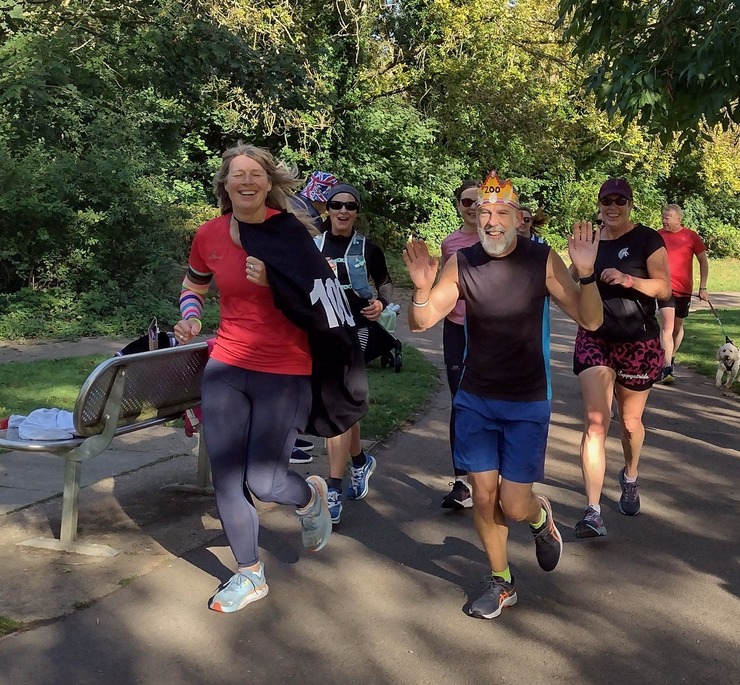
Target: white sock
[627,479]
[596,507]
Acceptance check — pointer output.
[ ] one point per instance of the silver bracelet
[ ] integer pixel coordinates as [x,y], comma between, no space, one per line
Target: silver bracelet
[419,304]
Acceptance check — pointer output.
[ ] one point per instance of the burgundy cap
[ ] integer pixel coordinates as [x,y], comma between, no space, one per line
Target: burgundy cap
[616,186]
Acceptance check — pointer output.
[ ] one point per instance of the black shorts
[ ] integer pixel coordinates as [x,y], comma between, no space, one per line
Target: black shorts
[679,303]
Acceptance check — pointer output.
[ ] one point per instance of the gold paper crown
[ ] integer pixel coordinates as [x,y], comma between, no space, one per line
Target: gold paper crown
[494,191]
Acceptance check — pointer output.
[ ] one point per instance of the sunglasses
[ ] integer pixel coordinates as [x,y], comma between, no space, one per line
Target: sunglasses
[467,202]
[619,201]
[349,206]
[598,222]
[527,219]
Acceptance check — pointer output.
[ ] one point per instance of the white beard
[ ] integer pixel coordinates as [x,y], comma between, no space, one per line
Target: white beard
[495,247]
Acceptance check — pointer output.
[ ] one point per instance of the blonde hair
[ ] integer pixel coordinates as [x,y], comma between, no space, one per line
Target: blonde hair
[284,180]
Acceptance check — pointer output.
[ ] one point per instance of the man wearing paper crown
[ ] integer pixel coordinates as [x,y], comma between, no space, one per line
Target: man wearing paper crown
[503,403]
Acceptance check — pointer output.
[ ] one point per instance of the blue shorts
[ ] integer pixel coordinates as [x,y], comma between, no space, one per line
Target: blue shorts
[499,435]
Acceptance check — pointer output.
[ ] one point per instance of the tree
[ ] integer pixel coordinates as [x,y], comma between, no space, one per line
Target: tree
[670,65]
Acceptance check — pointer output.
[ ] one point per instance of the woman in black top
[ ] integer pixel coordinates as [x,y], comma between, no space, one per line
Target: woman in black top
[624,353]
[346,250]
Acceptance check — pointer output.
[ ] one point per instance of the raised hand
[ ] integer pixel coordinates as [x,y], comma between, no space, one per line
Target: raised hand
[583,244]
[421,266]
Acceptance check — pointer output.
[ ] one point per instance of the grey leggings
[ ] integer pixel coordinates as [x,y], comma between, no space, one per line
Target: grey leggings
[250,422]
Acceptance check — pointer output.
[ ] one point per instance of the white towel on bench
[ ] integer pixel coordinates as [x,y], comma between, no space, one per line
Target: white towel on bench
[44,424]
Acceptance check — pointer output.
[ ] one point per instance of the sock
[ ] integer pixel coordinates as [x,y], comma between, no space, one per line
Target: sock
[597,507]
[627,479]
[540,521]
[249,572]
[504,575]
[359,460]
[335,483]
[673,362]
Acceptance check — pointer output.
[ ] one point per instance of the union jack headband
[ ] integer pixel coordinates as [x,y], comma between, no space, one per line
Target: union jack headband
[319,182]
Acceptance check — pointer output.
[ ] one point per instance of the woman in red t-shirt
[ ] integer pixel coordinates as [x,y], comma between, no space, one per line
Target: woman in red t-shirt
[256,392]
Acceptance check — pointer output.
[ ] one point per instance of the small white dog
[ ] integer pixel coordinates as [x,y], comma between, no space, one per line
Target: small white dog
[728,362]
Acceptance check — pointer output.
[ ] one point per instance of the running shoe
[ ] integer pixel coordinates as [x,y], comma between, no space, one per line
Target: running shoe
[547,539]
[300,457]
[667,377]
[302,444]
[497,595]
[629,500]
[591,525]
[241,589]
[459,497]
[315,518]
[359,477]
[334,500]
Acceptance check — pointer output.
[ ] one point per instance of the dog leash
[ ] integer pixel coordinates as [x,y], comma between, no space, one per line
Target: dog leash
[714,312]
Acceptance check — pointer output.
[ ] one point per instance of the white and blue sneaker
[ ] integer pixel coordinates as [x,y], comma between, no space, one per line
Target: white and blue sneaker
[334,500]
[243,588]
[315,518]
[359,477]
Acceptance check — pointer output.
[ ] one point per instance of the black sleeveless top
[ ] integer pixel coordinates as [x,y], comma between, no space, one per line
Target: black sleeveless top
[629,315]
[507,322]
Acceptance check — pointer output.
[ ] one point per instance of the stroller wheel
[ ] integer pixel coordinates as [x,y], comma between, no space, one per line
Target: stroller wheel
[398,358]
[386,360]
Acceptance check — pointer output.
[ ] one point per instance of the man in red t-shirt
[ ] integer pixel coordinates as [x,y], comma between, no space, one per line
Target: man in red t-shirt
[682,244]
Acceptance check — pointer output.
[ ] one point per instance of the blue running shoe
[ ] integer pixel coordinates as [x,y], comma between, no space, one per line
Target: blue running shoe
[334,499]
[591,525]
[241,589]
[359,477]
[315,518]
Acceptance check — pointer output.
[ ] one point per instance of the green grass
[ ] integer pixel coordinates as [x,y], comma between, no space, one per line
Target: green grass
[703,337]
[25,386]
[8,625]
[724,276]
[394,397]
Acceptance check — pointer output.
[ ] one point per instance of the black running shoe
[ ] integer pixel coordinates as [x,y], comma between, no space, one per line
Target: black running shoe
[300,457]
[497,595]
[302,444]
[591,525]
[629,501]
[458,498]
[547,539]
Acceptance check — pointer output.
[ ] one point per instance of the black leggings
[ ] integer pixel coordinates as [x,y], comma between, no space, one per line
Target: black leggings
[453,343]
[250,423]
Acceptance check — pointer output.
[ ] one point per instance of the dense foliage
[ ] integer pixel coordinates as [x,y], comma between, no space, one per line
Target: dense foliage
[113,116]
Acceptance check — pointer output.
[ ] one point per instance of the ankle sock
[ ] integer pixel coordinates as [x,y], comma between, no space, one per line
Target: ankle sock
[335,483]
[540,521]
[260,573]
[359,460]
[505,574]
[627,479]
[596,507]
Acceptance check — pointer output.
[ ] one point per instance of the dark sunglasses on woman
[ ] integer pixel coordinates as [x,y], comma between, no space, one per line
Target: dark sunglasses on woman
[349,206]
[467,202]
[619,201]
[527,219]
[599,223]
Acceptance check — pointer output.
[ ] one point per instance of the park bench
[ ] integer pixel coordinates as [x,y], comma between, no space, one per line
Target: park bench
[122,395]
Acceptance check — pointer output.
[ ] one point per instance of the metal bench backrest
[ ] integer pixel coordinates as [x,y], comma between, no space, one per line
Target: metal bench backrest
[158,385]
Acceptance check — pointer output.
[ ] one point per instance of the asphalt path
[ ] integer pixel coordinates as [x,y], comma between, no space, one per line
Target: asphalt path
[657,601]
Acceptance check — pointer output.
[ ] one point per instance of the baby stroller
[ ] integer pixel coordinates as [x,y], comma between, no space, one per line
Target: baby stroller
[377,340]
